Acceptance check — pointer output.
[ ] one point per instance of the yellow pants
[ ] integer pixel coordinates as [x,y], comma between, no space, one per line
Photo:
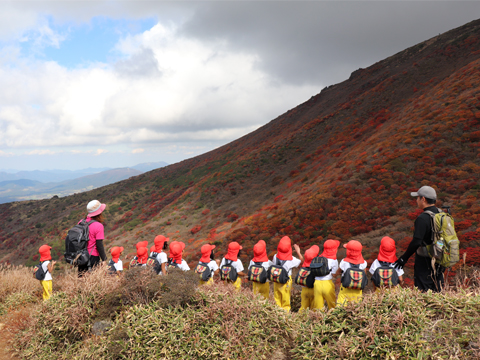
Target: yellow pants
[208,282]
[47,288]
[308,297]
[281,293]
[346,295]
[262,289]
[237,284]
[324,291]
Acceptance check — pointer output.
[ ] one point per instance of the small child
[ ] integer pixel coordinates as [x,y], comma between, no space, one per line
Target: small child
[260,256]
[134,261]
[308,294]
[209,259]
[324,287]
[282,292]
[47,266]
[354,259]
[232,259]
[161,243]
[142,256]
[116,265]
[386,257]
[176,252]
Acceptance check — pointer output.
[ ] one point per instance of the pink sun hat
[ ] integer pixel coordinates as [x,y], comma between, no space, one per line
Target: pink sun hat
[95,208]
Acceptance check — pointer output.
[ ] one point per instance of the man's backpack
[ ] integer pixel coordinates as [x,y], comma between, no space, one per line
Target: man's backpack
[445,244]
[319,266]
[39,273]
[111,267]
[257,273]
[385,275]
[277,273]
[134,261]
[305,278]
[204,271]
[354,278]
[76,252]
[153,262]
[228,271]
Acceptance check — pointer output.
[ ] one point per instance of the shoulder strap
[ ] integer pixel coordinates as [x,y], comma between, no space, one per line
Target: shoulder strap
[355,266]
[227,262]
[258,263]
[384,263]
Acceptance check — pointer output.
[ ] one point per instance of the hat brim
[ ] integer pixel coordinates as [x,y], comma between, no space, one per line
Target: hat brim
[97,212]
[414,194]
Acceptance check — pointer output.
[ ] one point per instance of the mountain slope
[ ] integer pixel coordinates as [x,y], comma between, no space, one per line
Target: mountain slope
[341,165]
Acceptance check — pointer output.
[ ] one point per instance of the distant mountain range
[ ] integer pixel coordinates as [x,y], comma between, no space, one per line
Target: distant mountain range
[30,185]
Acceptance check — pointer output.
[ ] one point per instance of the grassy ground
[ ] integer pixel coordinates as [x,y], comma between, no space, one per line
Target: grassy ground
[169,317]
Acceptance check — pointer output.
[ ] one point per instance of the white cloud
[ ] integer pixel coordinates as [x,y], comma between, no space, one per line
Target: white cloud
[41,152]
[101,151]
[138,151]
[6,154]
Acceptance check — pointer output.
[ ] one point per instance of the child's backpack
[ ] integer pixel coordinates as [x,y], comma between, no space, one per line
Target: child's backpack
[228,271]
[257,273]
[76,244]
[153,262]
[172,264]
[277,273]
[111,267]
[445,243]
[354,278]
[38,272]
[134,261]
[305,278]
[203,270]
[385,275]
[319,266]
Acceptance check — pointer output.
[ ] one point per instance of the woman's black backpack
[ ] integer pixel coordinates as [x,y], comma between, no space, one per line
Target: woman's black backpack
[385,275]
[319,266]
[257,273]
[76,244]
[228,271]
[203,270]
[277,273]
[354,278]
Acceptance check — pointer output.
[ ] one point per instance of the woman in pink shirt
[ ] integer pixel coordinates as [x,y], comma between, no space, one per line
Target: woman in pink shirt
[96,235]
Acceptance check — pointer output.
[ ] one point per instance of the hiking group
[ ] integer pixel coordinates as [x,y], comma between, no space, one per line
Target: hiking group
[434,242]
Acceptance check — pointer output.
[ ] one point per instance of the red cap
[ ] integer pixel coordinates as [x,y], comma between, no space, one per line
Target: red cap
[176,250]
[116,251]
[310,254]
[260,252]
[45,253]
[153,249]
[142,255]
[206,251]
[159,241]
[142,244]
[388,250]
[330,248]
[232,252]
[284,249]
[354,252]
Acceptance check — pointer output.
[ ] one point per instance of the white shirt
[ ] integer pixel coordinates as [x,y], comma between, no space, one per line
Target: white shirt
[119,265]
[48,276]
[162,258]
[212,265]
[345,265]
[289,264]
[376,264]
[184,266]
[236,264]
[333,266]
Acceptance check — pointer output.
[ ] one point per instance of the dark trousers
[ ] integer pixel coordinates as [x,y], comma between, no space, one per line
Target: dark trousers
[94,260]
[424,277]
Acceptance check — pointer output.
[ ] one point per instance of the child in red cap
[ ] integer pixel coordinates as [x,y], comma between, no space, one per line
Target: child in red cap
[324,287]
[232,259]
[284,257]
[47,266]
[176,252]
[386,257]
[141,244]
[308,294]
[355,258]
[260,257]
[208,259]
[116,265]
[161,244]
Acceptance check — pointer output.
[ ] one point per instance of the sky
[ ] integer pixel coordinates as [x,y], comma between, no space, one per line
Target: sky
[118,83]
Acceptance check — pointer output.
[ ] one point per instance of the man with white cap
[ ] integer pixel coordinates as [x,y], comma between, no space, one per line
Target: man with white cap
[425,276]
